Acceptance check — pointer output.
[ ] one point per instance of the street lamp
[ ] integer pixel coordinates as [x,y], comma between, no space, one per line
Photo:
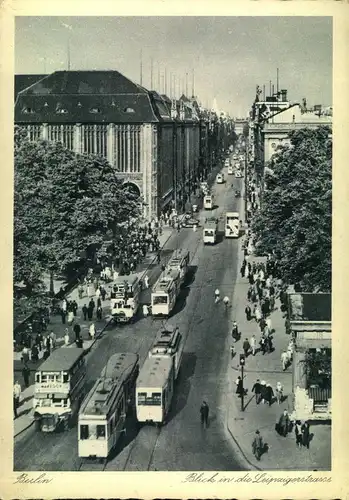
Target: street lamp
[242,364]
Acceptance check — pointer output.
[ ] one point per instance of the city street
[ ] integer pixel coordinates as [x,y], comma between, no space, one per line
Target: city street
[182,444]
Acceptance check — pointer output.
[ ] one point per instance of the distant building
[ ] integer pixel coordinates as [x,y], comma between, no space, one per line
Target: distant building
[309,321]
[153,142]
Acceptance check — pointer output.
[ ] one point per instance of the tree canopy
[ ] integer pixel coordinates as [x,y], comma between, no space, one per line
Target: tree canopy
[295,219]
[64,207]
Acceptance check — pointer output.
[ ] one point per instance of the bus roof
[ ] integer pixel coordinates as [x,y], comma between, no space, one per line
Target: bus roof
[232,214]
[154,372]
[178,257]
[107,387]
[131,279]
[165,280]
[166,336]
[61,359]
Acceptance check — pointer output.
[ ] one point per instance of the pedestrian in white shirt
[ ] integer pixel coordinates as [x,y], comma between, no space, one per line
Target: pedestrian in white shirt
[268,326]
[268,282]
[145,310]
[253,344]
[64,305]
[290,350]
[66,337]
[16,397]
[216,295]
[257,314]
[92,331]
[284,360]
[98,293]
[146,282]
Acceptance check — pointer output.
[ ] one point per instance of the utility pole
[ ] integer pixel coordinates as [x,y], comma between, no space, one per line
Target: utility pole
[242,364]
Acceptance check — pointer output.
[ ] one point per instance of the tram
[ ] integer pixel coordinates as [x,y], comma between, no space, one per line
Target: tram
[179,262]
[165,293]
[59,389]
[124,298]
[103,413]
[169,343]
[155,389]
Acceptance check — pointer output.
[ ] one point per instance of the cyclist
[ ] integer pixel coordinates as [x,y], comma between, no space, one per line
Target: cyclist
[216,295]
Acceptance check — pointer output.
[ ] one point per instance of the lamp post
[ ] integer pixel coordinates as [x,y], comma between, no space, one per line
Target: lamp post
[242,364]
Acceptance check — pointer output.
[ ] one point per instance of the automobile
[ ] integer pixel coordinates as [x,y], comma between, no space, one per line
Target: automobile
[230,170]
[227,162]
[238,174]
[220,178]
[190,221]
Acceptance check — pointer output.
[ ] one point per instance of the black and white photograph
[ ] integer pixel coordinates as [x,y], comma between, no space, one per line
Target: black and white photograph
[172,244]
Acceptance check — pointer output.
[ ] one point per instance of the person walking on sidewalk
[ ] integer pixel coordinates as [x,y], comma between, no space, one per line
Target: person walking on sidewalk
[298,433]
[306,434]
[216,295]
[66,336]
[263,344]
[80,291]
[84,311]
[253,344]
[239,387]
[257,390]
[284,360]
[99,312]
[92,331]
[246,347]
[279,393]
[103,293]
[16,397]
[146,282]
[284,422]
[268,326]
[263,391]
[248,312]
[26,375]
[269,394]
[226,302]
[145,310]
[235,332]
[257,445]
[204,411]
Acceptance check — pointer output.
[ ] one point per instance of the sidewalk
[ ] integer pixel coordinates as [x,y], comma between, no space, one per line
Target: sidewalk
[25,412]
[281,453]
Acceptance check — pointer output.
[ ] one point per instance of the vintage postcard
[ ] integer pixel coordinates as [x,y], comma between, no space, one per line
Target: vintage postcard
[174,203]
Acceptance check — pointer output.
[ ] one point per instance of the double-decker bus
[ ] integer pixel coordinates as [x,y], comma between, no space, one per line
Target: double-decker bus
[210,231]
[155,389]
[168,343]
[59,389]
[179,262]
[103,412]
[232,224]
[165,293]
[124,297]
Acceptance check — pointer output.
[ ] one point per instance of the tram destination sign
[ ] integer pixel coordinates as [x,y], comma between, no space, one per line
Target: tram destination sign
[52,387]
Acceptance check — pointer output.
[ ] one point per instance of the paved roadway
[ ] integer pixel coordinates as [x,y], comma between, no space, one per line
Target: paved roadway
[182,444]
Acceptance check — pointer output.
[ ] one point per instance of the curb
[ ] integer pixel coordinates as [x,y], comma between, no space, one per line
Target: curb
[241,451]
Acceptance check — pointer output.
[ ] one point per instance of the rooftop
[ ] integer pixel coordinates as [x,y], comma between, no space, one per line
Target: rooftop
[310,307]
[155,372]
[61,359]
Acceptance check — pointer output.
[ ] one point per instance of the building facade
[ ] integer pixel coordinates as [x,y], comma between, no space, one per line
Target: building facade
[158,146]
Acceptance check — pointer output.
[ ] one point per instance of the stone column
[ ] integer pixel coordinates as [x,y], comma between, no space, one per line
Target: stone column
[110,144]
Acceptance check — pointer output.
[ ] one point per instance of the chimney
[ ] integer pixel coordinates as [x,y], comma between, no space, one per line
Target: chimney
[283,95]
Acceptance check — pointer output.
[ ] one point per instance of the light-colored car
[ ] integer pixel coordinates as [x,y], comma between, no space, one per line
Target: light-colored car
[230,170]
[238,174]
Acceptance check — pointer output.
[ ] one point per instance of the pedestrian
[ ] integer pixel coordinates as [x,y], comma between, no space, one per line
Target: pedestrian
[257,314]
[216,295]
[99,313]
[279,392]
[145,310]
[46,354]
[298,433]
[246,347]
[306,434]
[263,391]
[204,411]
[77,330]
[257,445]
[253,344]
[146,282]
[99,302]
[39,341]
[290,350]
[74,307]
[269,394]
[262,324]
[257,390]
[92,304]
[63,315]
[80,291]
[235,332]
[66,336]
[158,257]
[35,354]
[248,312]
[26,374]
[98,293]
[79,342]
[89,290]
[269,344]
[70,317]
[272,303]
[92,331]
[263,344]
[103,293]
[64,305]
[239,387]
[25,355]
[89,312]
[226,302]
[195,227]
[283,424]
[284,360]
[84,311]
[268,325]
[16,397]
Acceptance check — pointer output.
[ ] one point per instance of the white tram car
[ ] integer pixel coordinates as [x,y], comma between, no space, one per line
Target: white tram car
[154,390]
[103,413]
[165,293]
[169,343]
[179,262]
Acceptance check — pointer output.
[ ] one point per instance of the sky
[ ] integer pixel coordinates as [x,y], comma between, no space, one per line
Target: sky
[228,55]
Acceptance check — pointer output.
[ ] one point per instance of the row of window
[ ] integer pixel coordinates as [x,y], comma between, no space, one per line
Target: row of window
[63,111]
[145,400]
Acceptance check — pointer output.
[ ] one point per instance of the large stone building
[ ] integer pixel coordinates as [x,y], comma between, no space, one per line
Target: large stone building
[159,146]
[309,321]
